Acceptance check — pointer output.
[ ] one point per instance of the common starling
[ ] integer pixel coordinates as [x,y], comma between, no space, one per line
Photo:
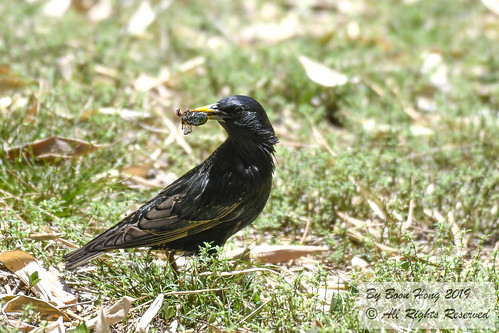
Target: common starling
[209,203]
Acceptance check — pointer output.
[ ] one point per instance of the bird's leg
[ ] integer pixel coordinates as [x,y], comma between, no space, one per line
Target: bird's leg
[170,255]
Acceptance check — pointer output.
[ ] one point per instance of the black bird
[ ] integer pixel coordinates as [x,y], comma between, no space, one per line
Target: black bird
[209,203]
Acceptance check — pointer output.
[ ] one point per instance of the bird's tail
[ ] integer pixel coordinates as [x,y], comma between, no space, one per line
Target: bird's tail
[80,256]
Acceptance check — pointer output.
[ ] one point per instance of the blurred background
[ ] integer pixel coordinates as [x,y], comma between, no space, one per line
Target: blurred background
[387,114]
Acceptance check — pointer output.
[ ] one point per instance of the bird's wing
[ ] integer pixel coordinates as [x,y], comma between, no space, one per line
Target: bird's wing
[163,219]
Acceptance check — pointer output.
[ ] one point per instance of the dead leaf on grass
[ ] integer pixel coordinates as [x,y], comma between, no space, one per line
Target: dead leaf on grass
[138,170]
[322,74]
[272,254]
[46,310]
[114,313]
[44,236]
[24,265]
[150,313]
[53,149]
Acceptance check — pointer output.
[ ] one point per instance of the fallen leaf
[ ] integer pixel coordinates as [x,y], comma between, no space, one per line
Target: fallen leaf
[49,287]
[139,170]
[141,19]
[52,149]
[44,236]
[272,254]
[46,310]
[16,260]
[113,314]
[321,74]
[150,313]
[100,325]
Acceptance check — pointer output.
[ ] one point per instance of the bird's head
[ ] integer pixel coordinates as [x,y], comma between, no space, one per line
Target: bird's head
[242,117]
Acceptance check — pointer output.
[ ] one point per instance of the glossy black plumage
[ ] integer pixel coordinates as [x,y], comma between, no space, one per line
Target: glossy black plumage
[209,203]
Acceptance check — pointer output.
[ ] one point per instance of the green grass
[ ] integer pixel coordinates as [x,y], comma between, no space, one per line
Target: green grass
[393,148]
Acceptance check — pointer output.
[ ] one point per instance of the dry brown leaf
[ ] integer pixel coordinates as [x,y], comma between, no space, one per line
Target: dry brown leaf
[113,314]
[139,170]
[53,149]
[49,287]
[46,310]
[16,260]
[148,316]
[322,74]
[272,254]
[141,19]
[44,236]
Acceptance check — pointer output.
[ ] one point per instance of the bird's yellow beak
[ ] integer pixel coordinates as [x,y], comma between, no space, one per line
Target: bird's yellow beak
[211,111]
